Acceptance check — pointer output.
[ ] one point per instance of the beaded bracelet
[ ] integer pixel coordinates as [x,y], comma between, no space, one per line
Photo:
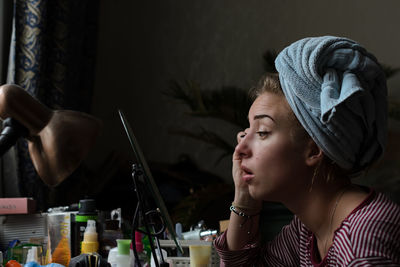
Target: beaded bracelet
[244,215]
[242,207]
[241,213]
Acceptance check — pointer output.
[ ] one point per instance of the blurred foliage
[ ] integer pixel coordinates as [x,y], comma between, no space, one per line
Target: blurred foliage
[210,138]
[229,104]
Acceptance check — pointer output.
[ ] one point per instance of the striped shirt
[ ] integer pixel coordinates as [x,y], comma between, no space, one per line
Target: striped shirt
[369,236]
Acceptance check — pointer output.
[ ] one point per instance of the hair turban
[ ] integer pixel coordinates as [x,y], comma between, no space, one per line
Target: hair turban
[338,92]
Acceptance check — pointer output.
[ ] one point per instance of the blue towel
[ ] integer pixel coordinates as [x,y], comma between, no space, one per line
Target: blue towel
[338,92]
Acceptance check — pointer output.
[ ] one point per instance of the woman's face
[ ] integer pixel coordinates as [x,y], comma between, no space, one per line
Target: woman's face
[272,160]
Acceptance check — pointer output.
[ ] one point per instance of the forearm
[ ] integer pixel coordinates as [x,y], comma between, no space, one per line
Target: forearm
[243,230]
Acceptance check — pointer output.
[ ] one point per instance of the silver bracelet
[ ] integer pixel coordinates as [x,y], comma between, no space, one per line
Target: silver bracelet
[241,213]
[245,216]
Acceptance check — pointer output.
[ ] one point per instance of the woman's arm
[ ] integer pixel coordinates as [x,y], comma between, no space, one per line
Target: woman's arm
[243,227]
[242,230]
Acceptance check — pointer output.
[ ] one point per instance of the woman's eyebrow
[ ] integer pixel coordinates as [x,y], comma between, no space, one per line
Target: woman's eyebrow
[261,116]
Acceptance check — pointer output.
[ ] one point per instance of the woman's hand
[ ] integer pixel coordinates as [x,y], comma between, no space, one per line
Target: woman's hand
[242,230]
[237,172]
[242,194]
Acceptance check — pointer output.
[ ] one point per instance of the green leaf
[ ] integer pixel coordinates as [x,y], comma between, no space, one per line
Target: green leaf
[228,103]
[208,137]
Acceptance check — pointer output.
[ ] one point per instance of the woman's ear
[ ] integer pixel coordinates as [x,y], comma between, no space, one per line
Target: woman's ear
[314,153]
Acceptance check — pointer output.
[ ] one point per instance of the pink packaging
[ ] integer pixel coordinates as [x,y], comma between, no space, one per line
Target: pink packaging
[19,205]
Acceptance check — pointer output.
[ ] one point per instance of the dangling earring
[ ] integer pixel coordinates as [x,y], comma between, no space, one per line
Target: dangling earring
[329,176]
[313,178]
[316,171]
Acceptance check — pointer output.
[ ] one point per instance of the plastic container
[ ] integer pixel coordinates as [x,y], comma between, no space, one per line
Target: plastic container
[32,255]
[90,242]
[123,256]
[112,257]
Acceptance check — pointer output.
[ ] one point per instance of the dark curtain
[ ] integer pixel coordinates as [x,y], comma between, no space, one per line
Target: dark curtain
[52,56]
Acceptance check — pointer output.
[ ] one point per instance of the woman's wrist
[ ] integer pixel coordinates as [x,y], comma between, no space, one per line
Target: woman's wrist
[245,202]
[247,214]
[250,210]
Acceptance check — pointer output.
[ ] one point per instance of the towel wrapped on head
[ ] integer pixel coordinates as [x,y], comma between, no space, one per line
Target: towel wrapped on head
[338,92]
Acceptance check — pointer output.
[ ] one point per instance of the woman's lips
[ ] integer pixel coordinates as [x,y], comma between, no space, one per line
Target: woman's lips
[247,174]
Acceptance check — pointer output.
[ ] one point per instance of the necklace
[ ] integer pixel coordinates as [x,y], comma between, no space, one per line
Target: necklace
[333,212]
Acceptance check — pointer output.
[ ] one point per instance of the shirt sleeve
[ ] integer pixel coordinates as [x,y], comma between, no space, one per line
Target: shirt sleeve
[371,237]
[376,243]
[373,261]
[282,251]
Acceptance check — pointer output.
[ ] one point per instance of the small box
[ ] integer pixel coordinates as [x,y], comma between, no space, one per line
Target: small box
[18,205]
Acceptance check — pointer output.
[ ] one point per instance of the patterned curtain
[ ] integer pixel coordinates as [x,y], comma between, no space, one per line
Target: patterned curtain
[52,57]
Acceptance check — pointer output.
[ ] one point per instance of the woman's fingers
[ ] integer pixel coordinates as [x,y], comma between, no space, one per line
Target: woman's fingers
[240,135]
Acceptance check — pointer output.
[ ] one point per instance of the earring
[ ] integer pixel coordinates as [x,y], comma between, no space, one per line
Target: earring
[313,178]
[316,172]
[332,171]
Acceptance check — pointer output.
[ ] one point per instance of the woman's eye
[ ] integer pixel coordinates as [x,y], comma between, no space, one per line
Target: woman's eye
[262,133]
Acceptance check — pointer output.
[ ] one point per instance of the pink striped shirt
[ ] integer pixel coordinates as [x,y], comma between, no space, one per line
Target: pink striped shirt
[369,236]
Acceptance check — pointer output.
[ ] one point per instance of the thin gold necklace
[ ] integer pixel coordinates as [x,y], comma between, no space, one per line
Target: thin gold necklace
[333,213]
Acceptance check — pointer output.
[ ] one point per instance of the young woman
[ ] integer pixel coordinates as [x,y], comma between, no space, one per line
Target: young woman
[313,127]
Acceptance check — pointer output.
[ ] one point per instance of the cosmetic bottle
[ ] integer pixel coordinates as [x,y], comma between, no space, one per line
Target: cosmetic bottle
[87,211]
[123,256]
[90,242]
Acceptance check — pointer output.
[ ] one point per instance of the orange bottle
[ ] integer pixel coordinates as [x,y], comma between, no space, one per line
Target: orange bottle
[62,253]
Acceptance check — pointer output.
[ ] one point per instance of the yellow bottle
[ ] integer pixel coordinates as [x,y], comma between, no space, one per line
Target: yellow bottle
[90,242]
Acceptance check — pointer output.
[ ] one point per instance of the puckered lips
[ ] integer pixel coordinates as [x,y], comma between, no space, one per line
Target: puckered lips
[247,175]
